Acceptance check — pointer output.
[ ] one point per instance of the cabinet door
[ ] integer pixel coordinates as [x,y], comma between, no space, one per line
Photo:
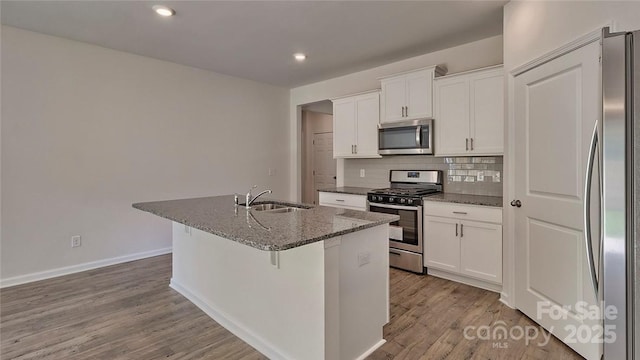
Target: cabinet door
[419,98]
[441,245]
[394,99]
[452,116]
[344,115]
[481,250]
[367,119]
[487,113]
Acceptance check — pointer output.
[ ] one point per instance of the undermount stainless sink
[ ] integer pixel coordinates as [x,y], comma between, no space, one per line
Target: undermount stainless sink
[278,208]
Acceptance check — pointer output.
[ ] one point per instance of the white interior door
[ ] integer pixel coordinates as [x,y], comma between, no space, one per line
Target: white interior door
[324,165]
[556,105]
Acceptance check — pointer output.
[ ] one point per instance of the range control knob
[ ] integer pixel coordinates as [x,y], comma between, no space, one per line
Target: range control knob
[410,201]
[391,199]
[402,201]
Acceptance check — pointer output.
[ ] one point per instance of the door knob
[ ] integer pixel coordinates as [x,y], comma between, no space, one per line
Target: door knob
[516,203]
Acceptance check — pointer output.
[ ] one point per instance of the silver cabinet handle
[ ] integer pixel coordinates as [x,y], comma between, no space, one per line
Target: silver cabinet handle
[466,144]
[461,230]
[356,148]
[339,200]
[471,144]
[394,253]
[587,209]
[406,111]
[460,212]
[456,229]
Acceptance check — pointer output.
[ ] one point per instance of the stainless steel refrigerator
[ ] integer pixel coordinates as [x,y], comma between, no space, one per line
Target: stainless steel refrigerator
[615,264]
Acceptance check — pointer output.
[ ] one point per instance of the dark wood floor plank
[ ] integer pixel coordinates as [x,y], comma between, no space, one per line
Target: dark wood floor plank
[127,311]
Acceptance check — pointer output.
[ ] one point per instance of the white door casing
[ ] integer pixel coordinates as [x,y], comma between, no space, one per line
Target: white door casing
[556,105]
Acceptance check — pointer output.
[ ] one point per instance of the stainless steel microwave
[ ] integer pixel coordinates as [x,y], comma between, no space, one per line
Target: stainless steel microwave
[406,138]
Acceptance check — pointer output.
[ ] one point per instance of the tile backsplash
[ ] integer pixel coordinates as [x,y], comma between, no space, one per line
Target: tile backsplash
[463,175]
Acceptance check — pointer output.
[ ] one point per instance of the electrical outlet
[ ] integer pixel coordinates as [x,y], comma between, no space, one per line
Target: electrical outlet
[76,241]
[364,258]
[361,172]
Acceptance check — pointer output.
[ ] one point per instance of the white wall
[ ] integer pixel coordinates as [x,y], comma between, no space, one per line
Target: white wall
[87,131]
[473,55]
[532,29]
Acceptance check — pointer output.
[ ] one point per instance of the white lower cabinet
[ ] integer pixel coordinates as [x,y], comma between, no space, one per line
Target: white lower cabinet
[481,251]
[461,249]
[442,248]
[343,201]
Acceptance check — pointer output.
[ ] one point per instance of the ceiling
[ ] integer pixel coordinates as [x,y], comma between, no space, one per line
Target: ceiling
[256,39]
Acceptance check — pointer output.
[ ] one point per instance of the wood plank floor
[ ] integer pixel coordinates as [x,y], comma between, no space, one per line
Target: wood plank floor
[128,311]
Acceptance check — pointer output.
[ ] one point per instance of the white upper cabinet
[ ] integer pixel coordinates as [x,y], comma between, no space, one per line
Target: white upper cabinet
[469,113]
[409,96]
[355,126]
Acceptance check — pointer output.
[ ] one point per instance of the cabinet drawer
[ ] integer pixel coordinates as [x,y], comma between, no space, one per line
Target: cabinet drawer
[463,212]
[347,201]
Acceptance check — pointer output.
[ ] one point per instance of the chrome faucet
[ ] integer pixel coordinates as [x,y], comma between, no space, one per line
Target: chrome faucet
[249,200]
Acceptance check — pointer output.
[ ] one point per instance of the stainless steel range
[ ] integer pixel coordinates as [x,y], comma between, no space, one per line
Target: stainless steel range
[404,198]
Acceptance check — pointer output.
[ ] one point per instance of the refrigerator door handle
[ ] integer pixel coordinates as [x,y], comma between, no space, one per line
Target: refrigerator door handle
[587,209]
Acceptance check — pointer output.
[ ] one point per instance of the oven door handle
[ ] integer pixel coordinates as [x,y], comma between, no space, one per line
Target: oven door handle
[397,207]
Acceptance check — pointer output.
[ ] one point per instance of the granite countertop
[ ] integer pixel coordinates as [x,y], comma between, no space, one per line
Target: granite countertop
[495,201]
[348,190]
[261,229]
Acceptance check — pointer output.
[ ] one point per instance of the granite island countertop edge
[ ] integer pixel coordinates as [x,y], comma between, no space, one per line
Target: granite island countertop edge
[385,218]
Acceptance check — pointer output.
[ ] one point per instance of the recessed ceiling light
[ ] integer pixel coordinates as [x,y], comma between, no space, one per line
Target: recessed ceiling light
[163,10]
[300,56]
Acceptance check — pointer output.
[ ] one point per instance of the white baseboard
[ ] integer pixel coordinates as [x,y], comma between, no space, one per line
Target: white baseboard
[48,274]
[228,323]
[371,350]
[465,280]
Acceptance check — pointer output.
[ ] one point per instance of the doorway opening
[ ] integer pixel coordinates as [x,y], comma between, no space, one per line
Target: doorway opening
[318,164]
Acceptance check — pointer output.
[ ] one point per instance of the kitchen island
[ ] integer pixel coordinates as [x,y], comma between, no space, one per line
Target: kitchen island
[293,281]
